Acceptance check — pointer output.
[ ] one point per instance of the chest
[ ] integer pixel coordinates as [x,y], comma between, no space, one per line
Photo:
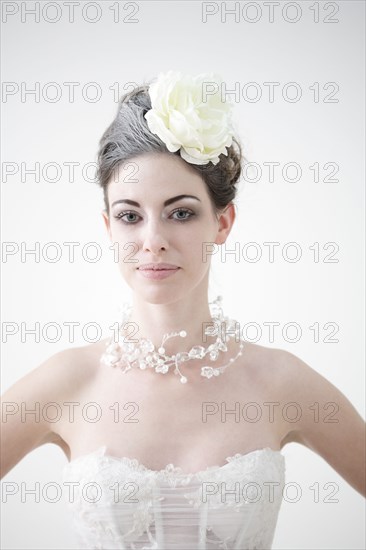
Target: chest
[158,420]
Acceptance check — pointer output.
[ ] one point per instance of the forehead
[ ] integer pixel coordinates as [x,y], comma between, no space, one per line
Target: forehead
[160,175]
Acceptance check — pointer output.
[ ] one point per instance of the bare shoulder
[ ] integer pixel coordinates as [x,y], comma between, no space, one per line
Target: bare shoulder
[80,362]
[321,417]
[61,377]
[299,382]
[267,363]
[303,395]
[68,365]
[68,370]
[281,365]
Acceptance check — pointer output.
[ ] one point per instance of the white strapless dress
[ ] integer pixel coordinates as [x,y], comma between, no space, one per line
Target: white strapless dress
[118,503]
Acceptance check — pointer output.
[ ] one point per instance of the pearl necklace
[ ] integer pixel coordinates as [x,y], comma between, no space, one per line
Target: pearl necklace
[143,354]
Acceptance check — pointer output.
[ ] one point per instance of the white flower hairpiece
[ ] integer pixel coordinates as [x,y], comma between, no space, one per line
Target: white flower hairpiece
[186,118]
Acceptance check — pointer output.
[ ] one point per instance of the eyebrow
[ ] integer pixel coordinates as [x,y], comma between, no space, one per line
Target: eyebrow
[166,203]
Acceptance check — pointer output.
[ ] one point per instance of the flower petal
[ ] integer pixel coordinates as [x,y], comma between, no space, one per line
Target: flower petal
[188,113]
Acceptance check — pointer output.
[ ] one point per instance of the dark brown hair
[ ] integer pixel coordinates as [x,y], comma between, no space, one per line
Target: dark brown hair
[129,136]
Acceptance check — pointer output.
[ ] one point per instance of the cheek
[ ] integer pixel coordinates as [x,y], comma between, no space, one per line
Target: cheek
[123,240]
[198,254]
[125,251]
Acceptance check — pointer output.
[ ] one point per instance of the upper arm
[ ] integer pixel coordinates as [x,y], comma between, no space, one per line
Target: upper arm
[25,423]
[328,422]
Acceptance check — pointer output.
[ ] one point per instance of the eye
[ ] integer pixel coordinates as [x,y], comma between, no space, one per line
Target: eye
[184,211]
[121,216]
[125,216]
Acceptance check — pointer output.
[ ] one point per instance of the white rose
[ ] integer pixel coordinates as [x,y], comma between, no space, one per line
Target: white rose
[184,119]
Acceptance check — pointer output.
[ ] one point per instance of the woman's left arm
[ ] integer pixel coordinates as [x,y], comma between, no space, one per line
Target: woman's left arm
[329,424]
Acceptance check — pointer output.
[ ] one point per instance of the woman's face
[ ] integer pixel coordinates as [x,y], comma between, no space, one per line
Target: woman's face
[179,232]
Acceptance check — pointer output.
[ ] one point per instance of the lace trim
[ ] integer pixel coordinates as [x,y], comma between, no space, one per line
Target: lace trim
[107,523]
[170,470]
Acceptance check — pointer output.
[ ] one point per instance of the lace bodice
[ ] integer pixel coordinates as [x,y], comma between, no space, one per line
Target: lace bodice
[118,503]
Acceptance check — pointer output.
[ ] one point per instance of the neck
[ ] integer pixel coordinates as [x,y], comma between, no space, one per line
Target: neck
[153,321]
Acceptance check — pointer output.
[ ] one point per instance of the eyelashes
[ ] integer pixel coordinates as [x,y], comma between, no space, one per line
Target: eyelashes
[122,215]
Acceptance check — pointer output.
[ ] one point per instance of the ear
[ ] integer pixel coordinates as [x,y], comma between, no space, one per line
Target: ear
[226,221]
[107,223]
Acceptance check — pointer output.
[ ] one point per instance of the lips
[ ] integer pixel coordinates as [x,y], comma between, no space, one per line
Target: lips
[158,267]
[157,272]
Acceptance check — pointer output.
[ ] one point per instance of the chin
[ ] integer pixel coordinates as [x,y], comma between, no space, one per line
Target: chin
[162,295]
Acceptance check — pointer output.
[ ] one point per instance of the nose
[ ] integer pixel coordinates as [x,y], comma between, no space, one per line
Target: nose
[154,239]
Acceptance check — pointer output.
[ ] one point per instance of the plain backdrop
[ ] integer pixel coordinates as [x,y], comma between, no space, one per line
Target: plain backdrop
[322,131]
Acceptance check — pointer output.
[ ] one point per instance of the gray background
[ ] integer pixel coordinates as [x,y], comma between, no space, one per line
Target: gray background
[172,35]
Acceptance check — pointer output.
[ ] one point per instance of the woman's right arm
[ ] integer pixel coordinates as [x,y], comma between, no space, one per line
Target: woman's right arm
[23,426]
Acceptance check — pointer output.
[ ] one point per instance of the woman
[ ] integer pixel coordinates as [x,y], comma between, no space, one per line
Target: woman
[170,467]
